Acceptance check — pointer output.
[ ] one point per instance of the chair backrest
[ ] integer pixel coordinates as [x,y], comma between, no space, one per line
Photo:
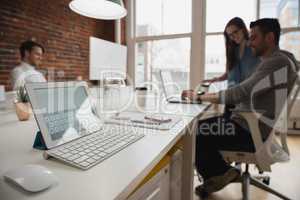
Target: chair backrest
[281,126]
[269,151]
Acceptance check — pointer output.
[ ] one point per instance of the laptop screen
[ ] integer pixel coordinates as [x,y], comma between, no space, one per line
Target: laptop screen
[171,89]
[67,112]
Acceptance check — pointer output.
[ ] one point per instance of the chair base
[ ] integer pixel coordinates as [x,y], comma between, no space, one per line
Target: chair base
[247,180]
[262,177]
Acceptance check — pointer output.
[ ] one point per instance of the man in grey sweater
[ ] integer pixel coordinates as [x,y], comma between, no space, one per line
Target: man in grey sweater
[265,90]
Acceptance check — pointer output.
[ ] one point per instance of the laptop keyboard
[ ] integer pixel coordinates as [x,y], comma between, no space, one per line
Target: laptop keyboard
[92,149]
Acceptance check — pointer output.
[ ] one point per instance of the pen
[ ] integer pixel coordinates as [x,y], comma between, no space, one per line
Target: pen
[145,122]
[157,120]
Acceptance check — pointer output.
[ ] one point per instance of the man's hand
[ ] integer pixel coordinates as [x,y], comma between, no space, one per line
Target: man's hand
[191,95]
[188,94]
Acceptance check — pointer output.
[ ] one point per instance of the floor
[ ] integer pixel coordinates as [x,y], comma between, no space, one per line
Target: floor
[285,178]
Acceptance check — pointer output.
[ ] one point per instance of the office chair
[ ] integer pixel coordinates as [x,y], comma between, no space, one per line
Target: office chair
[267,152]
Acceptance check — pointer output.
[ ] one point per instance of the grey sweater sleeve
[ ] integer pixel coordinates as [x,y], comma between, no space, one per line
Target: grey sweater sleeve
[260,80]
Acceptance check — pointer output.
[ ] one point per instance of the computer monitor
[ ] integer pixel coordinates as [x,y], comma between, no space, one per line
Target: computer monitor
[107,59]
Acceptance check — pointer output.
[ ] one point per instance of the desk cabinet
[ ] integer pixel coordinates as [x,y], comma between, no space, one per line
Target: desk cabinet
[157,188]
[176,175]
[166,184]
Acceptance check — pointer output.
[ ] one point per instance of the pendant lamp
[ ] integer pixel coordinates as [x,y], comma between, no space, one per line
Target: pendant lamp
[99,9]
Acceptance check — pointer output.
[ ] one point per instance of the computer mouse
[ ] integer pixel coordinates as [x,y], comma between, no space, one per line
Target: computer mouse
[32,178]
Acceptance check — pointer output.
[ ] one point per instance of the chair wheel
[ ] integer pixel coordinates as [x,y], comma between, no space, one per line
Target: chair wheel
[266,181]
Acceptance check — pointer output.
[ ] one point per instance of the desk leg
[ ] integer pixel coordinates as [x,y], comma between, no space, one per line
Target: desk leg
[189,138]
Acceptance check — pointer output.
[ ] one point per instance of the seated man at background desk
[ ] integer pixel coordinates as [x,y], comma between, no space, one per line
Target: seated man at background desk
[259,92]
[31,57]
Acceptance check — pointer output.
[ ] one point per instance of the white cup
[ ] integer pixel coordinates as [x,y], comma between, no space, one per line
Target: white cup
[204,87]
[140,95]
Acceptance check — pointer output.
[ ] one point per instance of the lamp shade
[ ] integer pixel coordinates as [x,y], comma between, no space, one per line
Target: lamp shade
[99,9]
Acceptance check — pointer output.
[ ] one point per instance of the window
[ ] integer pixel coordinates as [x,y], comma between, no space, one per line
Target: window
[291,42]
[218,13]
[160,17]
[287,11]
[169,55]
[162,32]
[215,56]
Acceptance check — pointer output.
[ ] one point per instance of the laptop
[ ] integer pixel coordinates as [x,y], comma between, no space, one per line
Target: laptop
[70,126]
[171,92]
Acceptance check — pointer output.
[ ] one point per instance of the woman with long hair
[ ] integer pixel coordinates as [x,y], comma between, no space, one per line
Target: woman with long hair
[240,61]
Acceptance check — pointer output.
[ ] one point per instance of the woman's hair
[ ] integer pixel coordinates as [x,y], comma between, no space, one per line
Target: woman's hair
[230,45]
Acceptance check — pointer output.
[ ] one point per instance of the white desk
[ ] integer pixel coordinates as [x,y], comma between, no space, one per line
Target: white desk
[114,178]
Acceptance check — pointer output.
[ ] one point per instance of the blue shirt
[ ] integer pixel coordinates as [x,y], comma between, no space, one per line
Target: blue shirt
[244,67]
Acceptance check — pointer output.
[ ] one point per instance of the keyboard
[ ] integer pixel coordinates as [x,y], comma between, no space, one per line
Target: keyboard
[92,149]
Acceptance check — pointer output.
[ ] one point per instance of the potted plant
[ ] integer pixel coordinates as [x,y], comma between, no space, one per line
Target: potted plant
[22,104]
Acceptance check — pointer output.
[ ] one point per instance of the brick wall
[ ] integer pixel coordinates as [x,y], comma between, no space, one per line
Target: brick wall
[63,33]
